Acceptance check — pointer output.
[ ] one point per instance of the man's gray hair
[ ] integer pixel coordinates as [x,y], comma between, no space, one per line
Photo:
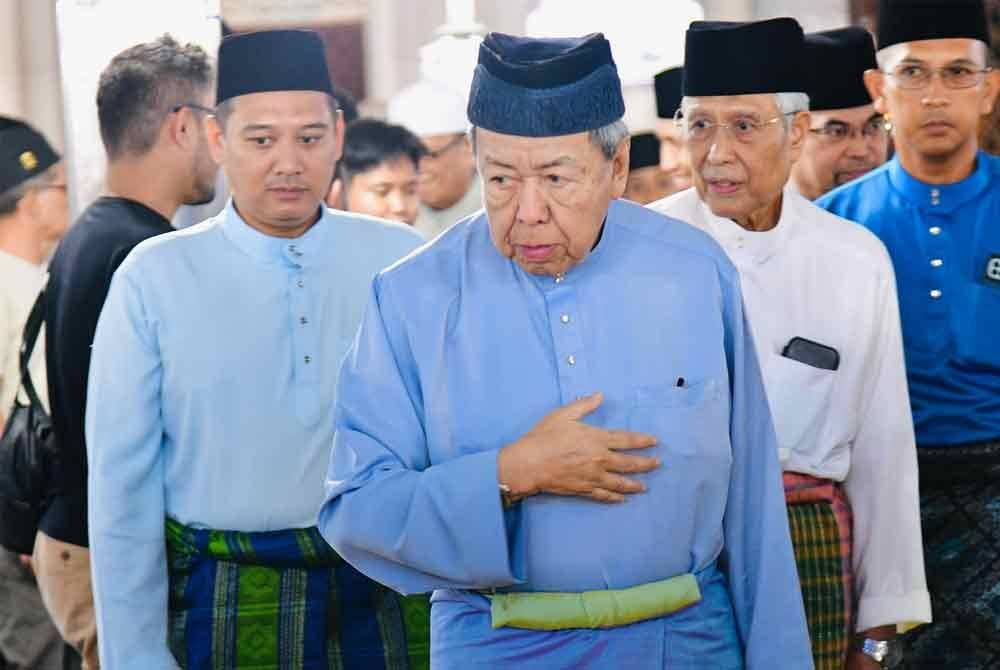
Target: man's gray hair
[788,104]
[606,138]
[12,196]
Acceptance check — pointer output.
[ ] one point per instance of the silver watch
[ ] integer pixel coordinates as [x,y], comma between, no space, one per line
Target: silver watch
[887,653]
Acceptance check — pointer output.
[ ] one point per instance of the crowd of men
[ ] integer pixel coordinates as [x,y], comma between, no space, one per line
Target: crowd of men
[501,381]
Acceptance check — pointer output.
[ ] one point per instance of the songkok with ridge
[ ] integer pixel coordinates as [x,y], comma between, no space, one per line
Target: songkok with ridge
[734,58]
[272,60]
[545,87]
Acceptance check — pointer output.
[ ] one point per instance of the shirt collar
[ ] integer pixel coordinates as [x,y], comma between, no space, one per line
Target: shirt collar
[942,198]
[304,250]
[747,246]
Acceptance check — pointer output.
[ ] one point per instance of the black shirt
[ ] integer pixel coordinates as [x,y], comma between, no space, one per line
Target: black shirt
[79,278]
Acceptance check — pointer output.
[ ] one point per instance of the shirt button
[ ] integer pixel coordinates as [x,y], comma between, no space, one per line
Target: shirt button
[935,230]
[936,263]
[300,283]
[936,294]
[308,359]
[571,359]
[935,196]
[291,247]
[564,318]
[303,320]
[560,278]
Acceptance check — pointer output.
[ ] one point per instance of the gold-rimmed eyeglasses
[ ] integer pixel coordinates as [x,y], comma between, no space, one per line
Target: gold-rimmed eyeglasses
[838,132]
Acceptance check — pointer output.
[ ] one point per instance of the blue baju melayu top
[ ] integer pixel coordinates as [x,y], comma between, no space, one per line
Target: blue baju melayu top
[461,352]
[210,397]
[944,241]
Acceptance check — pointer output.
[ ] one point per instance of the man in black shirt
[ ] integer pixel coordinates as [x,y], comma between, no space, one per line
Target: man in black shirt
[151,102]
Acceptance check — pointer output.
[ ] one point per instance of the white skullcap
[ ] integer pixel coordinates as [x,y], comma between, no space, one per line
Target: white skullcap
[427,108]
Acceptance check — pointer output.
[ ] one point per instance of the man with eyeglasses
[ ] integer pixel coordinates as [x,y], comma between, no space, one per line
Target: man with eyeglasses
[936,206]
[449,187]
[821,302]
[33,216]
[847,138]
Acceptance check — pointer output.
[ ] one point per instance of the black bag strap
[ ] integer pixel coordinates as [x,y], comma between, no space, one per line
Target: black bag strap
[31,329]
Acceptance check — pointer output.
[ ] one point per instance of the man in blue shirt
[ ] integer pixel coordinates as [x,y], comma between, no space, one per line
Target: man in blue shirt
[211,386]
[936,207]
[553,414]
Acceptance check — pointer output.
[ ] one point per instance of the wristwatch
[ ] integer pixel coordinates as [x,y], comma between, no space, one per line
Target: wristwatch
[887,653]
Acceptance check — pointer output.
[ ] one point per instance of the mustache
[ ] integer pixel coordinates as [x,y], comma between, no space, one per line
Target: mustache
[290,184]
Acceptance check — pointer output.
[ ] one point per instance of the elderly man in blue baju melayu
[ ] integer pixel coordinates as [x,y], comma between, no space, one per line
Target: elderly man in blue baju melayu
[553,416]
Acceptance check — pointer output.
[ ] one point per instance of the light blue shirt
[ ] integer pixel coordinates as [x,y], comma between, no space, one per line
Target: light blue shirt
[944,241]
[211,390]
[461,352]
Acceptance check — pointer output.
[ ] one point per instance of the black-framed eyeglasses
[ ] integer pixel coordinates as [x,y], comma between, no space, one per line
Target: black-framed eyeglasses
[912,76]
[191,105]
[836,132]
[451,144]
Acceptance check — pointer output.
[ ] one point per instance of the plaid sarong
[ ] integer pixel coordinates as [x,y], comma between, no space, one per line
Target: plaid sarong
[960,514]
[819,519]
[284,600]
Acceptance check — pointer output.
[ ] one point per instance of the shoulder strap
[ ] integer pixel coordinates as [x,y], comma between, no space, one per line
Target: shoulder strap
[31,329]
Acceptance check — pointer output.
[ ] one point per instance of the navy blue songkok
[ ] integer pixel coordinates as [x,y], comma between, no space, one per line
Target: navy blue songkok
[734,58]
[668,85]
[545,87]
[902,21]
[24,153]
[837,60]
[272,60]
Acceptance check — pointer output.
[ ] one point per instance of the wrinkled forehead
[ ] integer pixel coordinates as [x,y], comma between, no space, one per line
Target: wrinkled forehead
[521,152]
[756,104]
[935,53]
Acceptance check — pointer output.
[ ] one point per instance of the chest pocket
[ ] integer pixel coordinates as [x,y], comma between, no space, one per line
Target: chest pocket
[799,398]
[692,419]
[979,344]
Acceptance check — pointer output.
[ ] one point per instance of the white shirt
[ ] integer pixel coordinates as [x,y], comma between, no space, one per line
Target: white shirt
[432,222]
[828,280]
[20,282]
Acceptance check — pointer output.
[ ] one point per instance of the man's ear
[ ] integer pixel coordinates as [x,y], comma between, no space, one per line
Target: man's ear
[797,133]
[215,135]
[333,196]
[619,168]
[991,86]
[875,83]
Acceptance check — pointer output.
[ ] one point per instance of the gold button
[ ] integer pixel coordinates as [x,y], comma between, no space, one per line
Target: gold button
[559,279]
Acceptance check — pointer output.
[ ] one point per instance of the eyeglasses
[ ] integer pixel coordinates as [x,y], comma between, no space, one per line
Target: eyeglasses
[745,129]
[838,132]
[191,105]
[913,77]
[451,144]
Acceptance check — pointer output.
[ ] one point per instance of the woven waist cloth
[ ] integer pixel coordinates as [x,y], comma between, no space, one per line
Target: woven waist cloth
[284,600]
[820,523]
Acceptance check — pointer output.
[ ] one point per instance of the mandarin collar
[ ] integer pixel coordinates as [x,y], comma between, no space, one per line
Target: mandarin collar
[744,245]
[306,249]
[940,198]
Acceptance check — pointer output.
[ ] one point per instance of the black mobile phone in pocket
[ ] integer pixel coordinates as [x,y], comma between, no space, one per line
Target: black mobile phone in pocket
[812,353]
